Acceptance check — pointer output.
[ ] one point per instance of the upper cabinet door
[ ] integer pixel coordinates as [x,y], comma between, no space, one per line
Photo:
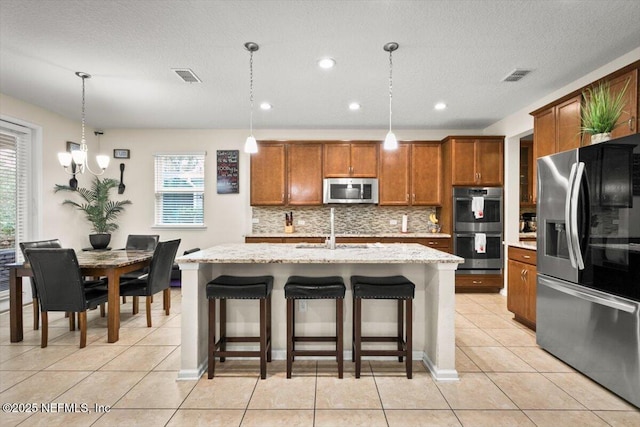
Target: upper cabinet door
[426,174]
[268,175]
[627,124]
[489,161]
[364,160]
[357,160]
[463,158]
[568,124]
[337,160]
[394,176]
[304,174]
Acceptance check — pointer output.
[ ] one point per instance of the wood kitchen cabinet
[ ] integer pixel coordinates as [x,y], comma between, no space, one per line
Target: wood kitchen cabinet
[479,282]
[355,160]
[477,161]
[286,174]
[411,175]
[304,174]
[268,175]
[526,173]
[627,124]
[521,282]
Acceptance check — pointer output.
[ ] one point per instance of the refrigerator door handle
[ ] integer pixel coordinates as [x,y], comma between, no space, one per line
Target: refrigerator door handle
[609,302]
[567,215]
[575,192]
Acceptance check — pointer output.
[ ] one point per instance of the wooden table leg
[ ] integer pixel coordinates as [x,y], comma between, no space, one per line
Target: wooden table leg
[113,318]
[15,305]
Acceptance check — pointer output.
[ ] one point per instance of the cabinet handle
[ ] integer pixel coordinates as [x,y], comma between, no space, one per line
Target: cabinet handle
[432,243]
[414,197]
[407,197]
[476,282]
[526,256]
[631,121]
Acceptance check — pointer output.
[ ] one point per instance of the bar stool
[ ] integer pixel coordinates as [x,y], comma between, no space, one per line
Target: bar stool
[239,287]
[302,287]
[391,287]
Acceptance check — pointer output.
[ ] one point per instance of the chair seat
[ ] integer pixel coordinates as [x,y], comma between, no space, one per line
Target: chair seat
[389,287]
[240,287]
[132,275]
[303,287]
[135,288]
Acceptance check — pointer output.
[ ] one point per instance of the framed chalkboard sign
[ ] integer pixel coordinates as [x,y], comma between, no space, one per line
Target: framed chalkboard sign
[227,171]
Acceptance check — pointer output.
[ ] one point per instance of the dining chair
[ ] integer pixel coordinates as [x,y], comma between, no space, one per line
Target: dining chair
[158,279]
[140,242]
[61,287]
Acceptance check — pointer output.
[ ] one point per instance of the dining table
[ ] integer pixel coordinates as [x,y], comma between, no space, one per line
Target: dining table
[109,264]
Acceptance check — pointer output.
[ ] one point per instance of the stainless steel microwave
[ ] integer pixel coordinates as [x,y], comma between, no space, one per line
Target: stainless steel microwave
[350,190]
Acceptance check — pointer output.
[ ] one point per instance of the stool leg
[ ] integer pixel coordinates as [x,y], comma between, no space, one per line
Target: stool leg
[269,342]
[290,321]
[223,327]
[212,337]
[339,331]
[357,320]
[400,328]
[353,330]
[409,338]
[263,338]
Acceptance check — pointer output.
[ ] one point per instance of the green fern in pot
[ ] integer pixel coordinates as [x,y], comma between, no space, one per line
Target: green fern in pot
[601,110]
[99,209]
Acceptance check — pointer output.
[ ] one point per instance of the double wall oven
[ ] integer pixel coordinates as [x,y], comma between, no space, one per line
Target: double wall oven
[588,288]
[468,223]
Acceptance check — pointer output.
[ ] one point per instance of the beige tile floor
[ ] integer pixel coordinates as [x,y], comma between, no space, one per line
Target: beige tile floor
[506,380]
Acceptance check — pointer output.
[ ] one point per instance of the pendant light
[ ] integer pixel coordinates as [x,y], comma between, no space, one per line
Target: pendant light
[77,160]
[390,141]
[250,145]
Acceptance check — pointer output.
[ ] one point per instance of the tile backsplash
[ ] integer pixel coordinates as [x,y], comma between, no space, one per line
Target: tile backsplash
[369,219]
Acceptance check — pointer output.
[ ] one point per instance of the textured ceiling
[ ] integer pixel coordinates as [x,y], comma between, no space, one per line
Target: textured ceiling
[452,51]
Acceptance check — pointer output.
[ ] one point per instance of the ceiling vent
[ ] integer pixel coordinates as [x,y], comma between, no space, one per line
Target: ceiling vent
[516,75]
[186,75]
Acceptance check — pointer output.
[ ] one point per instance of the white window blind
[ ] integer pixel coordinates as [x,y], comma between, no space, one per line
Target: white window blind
[15,154]
[179,189]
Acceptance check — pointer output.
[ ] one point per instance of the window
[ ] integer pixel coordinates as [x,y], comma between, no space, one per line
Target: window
[15,154]
[179,189]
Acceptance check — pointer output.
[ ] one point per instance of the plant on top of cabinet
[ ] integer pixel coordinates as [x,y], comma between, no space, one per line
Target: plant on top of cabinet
[601,110]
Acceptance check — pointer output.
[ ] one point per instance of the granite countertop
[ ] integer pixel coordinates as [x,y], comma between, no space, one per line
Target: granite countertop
[395,235]
[528,235]
[524,244]
[317,253]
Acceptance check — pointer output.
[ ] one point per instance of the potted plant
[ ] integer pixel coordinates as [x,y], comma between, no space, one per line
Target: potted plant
[601,111]
[98,208]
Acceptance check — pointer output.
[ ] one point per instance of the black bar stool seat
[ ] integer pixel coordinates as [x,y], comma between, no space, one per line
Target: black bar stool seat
[390,287]
[303,287]
[239,287]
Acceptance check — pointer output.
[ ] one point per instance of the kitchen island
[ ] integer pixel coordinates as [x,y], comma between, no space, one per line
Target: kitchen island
[432,271]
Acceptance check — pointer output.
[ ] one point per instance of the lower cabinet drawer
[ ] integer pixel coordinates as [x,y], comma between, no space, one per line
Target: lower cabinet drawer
[479,282]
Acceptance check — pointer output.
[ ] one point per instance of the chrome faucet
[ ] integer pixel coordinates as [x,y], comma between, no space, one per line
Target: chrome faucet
[331,241]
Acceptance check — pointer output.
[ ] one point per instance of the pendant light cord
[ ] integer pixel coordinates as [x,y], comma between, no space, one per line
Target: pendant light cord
[390,85]
[83,140]
[251,90]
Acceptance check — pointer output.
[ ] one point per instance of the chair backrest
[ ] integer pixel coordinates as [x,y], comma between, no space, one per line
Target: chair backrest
[190,251]
[160,269]
[53,243]
[143,242]
[58,279]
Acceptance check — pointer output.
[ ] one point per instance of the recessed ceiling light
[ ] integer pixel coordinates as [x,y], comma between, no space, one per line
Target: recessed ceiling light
[354,106]
[440,106]
[266,106]
[326,63]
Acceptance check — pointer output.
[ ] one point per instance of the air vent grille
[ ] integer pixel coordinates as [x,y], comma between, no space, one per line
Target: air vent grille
[187,75]
[516,75]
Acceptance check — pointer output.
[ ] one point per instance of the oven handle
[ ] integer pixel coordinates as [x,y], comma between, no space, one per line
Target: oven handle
[499,235]
[587,296]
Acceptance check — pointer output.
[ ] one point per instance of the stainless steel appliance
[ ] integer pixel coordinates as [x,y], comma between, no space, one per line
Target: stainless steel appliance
[467,225]
[350,190]
[588,288]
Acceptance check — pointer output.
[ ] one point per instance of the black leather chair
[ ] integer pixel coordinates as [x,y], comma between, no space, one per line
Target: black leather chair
[158,279]
[61,287]
[140,242]
[175,271]
[53,243]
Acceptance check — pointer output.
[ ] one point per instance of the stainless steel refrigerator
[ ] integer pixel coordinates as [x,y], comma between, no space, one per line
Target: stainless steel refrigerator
[588,287]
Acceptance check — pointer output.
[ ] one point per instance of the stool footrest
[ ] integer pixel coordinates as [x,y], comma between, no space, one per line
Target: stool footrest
[314,353]
[381,339]
[241,339]
[238,353]
[383,352]
[315,339]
